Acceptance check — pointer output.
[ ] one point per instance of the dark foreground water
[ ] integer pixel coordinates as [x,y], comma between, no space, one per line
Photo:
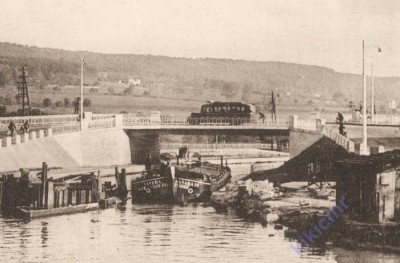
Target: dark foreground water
[158,233]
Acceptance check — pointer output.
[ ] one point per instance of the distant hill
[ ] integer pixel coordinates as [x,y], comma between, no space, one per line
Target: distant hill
[204,78]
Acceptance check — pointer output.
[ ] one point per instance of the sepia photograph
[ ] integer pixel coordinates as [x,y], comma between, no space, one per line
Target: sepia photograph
[263,131]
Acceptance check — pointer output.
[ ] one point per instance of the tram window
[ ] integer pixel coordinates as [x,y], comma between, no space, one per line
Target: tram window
[203,109]
[234,109]
[208,109]
[242,109]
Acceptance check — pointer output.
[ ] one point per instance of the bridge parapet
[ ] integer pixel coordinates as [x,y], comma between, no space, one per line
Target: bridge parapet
[41,120]
[23,138]
[102,123]
[315,125]
[154,120]
[356,118]
[339,139]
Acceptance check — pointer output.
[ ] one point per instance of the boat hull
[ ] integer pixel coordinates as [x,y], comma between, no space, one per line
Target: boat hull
[186,190]
[158,189]
[197,181]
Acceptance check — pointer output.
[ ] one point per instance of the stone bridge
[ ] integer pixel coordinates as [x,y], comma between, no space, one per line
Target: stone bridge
[110,139]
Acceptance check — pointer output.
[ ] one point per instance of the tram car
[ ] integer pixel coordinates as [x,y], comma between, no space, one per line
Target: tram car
[233,113]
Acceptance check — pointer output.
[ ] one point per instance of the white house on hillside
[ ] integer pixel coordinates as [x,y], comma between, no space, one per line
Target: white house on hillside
[134,82]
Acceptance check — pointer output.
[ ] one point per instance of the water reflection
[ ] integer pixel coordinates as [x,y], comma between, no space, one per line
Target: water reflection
[44,236]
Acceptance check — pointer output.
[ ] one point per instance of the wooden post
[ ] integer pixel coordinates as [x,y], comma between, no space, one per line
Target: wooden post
[95,188]
[1,192]
[116,176]
[123,190]
[44,187]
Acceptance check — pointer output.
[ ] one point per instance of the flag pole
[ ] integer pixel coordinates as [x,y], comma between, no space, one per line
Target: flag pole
[372,92]
[364,146]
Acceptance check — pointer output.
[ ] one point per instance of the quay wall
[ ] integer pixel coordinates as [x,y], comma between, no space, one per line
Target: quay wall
[101,147]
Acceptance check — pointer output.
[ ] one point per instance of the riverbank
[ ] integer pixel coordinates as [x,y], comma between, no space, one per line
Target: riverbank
[300,209]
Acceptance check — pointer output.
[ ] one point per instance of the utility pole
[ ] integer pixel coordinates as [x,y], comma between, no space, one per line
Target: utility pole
[273,107]
[23,90]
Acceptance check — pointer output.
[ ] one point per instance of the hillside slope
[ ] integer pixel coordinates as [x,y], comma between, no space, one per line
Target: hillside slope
[231,79]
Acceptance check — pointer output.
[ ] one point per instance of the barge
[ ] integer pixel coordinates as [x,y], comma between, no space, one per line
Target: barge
[31,196]
[196,181]
[154,185]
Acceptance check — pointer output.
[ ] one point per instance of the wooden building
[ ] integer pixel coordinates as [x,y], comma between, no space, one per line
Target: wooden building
[370,186]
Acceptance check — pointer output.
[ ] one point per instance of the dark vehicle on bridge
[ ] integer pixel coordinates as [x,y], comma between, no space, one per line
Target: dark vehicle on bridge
[232,113]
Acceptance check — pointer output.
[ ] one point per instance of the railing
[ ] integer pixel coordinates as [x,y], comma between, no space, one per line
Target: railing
[388,119]
[99,124]
[42,120]
[25,137]
[66,128]
[133,120]
[339,139]
[215,146]
[102,116]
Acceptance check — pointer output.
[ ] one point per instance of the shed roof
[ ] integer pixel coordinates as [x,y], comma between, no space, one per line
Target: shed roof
[380,161]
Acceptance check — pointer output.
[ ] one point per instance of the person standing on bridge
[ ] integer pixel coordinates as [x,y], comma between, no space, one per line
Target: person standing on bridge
[12,128]
[26,126]
[340,119]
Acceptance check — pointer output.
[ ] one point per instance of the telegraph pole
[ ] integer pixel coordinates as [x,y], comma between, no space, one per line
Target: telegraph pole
[23,93]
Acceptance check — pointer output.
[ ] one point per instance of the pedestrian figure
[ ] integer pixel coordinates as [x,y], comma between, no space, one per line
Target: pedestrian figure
[261,117]
[12,128]
[26,126]
[340,119]
[21,130]
[77,105]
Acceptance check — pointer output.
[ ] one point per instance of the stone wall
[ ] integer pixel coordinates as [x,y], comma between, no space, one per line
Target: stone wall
[102,147]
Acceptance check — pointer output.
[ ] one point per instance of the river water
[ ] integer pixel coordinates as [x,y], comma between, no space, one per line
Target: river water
[159,233]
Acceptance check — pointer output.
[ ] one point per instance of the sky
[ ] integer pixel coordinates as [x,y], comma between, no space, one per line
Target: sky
[318,32]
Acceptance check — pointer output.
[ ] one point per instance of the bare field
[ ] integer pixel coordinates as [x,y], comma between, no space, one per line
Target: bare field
[167,103]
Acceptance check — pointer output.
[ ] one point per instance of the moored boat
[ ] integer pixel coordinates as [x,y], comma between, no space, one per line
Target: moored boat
[195,181]
[154,185]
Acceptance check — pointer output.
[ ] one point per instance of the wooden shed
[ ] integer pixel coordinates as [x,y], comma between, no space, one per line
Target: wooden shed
[370,186]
